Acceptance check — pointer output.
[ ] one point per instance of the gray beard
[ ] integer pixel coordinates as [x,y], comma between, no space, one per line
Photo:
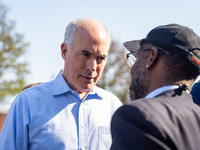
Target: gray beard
[138,89]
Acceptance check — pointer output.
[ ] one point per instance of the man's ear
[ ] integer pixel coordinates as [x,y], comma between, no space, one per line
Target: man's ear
[152,59]
[63,50]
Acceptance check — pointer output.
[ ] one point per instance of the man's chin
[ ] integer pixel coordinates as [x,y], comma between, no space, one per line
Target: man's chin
[87,88]
[131,96]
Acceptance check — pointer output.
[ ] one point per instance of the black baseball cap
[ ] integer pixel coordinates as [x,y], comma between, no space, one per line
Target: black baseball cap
[172,37]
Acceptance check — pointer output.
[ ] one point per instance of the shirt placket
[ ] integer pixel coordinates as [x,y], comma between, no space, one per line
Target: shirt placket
[83,127]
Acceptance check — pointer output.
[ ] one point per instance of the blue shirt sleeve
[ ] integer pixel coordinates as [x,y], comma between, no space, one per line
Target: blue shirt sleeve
[14,135]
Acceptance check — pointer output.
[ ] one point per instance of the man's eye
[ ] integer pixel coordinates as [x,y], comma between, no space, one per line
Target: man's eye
[85,54]
[101,58]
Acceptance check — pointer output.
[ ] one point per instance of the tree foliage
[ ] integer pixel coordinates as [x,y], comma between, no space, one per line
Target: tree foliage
[12,68]
[116,75]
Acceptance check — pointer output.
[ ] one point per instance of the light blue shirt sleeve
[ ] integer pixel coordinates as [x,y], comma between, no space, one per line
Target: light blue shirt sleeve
[52,116]
[14,134]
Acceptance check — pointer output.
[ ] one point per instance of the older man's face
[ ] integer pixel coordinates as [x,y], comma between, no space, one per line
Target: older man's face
[85,61]
[139,84]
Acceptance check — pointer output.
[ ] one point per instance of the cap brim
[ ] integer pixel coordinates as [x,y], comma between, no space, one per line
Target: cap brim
[132,45]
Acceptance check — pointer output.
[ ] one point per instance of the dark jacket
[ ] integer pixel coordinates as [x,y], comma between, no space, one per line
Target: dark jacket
[169,121]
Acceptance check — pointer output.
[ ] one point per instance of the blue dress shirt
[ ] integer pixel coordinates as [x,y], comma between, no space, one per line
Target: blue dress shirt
[51,116]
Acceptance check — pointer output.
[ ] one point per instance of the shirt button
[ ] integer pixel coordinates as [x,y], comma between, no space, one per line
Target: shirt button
[82,148]
[82,125]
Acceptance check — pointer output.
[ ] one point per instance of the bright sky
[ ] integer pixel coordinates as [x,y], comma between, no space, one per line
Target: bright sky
[43,23]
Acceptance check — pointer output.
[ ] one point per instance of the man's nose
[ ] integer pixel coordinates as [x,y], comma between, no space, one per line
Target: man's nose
[91,65]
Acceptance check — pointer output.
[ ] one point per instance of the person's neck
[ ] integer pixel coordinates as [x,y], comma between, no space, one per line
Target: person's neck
[83,94]
[186,82]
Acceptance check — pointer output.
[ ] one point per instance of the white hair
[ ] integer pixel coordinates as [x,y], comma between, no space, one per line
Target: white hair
[73,26]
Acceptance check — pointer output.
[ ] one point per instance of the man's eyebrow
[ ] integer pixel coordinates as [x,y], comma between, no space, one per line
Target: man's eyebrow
[88,52]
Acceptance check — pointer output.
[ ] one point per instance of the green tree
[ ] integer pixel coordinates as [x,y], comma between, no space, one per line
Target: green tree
[116,75]
[12,66]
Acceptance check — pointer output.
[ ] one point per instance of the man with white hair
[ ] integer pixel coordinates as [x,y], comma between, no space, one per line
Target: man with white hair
[69,112]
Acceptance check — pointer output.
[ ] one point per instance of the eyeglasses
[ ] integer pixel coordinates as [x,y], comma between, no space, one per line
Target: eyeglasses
[131,59]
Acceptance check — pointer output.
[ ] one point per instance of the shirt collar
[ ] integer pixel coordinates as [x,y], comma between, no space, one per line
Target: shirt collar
[60,86]
[161,90]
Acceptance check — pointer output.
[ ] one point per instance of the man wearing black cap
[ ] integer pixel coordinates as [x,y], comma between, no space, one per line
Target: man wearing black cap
[163,66]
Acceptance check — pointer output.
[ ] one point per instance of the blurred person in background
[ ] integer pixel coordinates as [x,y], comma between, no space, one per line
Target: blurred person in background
[30,85]
[195,92]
